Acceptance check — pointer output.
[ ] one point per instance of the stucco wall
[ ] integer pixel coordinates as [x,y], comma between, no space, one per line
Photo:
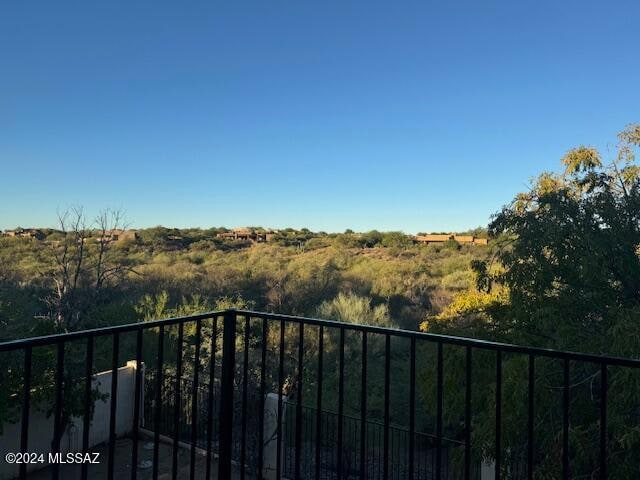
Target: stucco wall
[41,426]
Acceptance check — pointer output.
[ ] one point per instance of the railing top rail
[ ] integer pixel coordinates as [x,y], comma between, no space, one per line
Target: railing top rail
[431,337]
[98,332]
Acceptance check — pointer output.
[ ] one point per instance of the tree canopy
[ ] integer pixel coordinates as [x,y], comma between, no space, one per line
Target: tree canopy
[565,273]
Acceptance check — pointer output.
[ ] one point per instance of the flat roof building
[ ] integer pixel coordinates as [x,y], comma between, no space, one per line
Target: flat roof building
[444,237]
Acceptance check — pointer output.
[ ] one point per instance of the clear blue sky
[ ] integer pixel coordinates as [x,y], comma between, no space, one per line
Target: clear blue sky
[416,116]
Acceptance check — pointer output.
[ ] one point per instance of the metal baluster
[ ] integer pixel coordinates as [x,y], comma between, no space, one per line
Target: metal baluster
[280,393]
[263,391]
[439,394]
[177,404]
[319,402]
[194,399]
[113,404]
[363,409]
[334,456]
[531,415]
[212,374]
[86,421]
[298,439]
[226,394]
[340,402]
[26,400]
[57,421]
[387,399]
[393,455]
[245,378]
[603,420]
[467,416]
[158,401]
[381,460]
[566,473]
[498,414]
[136,405]
[412,406]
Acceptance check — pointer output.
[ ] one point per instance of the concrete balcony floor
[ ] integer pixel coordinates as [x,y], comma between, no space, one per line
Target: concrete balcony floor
[122,464]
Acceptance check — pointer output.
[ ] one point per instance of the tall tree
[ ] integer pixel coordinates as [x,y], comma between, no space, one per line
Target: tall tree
[84,263]
[565,274]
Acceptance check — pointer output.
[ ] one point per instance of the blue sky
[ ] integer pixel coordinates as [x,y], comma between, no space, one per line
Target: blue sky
[414,116]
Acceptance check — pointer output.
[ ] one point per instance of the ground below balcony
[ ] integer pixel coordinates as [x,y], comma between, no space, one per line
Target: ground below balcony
[122,464]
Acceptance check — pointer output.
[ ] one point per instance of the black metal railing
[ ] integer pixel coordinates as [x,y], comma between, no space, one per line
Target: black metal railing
[424,453]
[371,466]
[329,380]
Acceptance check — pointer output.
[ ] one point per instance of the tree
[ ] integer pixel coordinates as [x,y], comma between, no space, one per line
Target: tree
[84,263]
[371,239]
[396,240]
[566,274]
[569,255]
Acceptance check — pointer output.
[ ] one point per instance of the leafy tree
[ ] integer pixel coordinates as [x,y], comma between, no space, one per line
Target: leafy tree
[565,274]
[371,239]
[396,240]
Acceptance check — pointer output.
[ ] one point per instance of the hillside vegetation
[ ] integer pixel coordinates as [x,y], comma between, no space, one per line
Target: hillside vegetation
[168,271]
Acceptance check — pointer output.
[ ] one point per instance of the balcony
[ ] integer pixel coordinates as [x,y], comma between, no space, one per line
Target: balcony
[249,395]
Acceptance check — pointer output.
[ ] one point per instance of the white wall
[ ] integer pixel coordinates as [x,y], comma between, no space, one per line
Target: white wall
[41,427]
[270,437]
[488,470]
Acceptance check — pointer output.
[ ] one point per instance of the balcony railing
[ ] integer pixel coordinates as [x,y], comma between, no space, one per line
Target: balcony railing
[261,395]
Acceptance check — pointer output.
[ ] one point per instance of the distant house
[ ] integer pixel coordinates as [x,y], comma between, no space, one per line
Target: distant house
[32,233]
[117,235]
[247,234]
[433,238]
[441,238]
